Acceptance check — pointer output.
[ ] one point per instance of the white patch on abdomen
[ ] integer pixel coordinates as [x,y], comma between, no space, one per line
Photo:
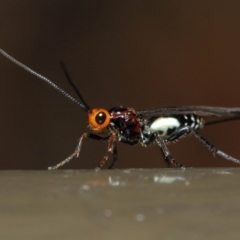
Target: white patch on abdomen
[163,124]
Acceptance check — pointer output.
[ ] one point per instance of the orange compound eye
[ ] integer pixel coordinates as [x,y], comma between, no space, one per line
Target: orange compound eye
[98,119]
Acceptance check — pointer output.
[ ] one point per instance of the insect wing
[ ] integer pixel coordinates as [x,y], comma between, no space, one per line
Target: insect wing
[196,110]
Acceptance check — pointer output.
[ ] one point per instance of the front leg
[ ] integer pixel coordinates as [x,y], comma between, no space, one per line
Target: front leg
[115,156]
[78,149]
[111,147]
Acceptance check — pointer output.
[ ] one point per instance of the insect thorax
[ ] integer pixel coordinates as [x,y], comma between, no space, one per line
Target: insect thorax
[127,124]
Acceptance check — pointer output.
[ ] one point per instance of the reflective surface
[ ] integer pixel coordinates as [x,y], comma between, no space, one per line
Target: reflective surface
[118,204]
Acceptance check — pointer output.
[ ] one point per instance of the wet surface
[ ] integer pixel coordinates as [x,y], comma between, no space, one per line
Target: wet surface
[118,204]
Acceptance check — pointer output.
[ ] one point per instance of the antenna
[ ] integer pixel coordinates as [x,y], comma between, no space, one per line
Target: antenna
[73,85]
[83,105]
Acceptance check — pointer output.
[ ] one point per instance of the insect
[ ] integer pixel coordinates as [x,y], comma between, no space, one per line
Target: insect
[159,126]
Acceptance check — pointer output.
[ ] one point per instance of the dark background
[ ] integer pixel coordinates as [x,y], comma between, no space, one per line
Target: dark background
[140,54]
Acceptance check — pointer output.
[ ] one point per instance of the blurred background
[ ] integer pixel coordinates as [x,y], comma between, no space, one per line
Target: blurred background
[140,54]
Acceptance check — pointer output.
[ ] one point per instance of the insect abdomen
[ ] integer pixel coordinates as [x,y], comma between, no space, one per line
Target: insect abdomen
[167,125]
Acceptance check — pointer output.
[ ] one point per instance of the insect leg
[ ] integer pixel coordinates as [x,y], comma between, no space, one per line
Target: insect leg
[115,156]
[168,163]
[78,148]
[213,149]
[181,132]
[110,150]
[162,144]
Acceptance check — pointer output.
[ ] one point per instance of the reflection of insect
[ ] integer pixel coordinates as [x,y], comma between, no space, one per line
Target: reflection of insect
[160,126]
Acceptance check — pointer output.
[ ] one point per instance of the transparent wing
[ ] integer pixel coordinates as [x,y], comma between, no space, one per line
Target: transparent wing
[197,110]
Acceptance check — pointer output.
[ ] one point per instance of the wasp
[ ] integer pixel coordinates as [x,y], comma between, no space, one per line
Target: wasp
[159,126]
